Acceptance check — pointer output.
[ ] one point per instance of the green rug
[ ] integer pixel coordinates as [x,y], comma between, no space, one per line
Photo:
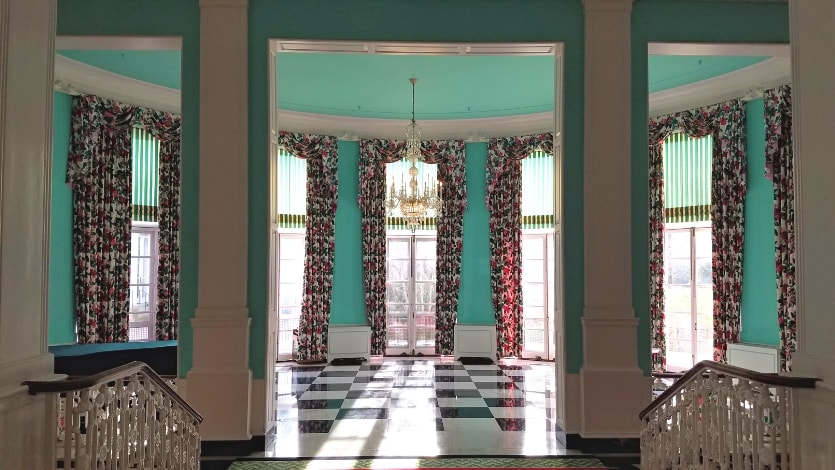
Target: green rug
[461,463]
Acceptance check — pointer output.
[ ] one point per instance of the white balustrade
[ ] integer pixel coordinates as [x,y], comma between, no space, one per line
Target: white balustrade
[722,417]
[127,419]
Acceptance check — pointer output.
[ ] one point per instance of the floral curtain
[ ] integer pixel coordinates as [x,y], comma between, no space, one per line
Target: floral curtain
[374,154]
[166,127]
[99,171]
[452,174]
[504,204]
[449,156]
[779,160]
[321,153]
[726,122]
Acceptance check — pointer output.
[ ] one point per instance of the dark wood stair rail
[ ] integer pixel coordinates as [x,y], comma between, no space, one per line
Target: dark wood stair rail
[113,375]
[726,369]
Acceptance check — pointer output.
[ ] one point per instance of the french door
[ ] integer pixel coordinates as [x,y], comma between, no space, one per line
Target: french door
[410,295]
[688,296]
[290,279]
[538,299]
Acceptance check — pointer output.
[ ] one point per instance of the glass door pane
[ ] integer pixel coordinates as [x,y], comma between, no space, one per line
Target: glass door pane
[424,307]
[678,300]
[704,294]
[290,281]
[534,296]
[399,294]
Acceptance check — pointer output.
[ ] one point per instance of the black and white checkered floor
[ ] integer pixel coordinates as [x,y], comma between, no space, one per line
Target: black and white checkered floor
[431,406]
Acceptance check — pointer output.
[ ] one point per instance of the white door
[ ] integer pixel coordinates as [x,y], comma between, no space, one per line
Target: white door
[538,278]
[410,295]
[290,284]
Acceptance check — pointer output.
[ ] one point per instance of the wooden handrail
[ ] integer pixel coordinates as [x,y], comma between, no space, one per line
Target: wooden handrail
[726,369]
[112,375]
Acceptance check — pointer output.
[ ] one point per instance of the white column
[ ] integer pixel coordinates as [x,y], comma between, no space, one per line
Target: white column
[610,373]
[27,36]
[220,381]
[813,73]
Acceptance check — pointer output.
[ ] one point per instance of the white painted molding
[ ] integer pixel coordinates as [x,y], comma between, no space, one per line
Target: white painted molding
[119,43]
[349,342]
[766,74]
[415,48]
[737,49]
[76,77]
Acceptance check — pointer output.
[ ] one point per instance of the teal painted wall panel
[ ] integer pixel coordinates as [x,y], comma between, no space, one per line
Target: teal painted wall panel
[418,20]
[162,18]
[61,296]
[475,303]
[679,21]
[759,289]
[348,304]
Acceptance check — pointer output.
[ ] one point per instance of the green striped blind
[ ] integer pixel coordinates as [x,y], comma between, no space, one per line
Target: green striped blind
[538,191]
[291,190]
[144,153]
[398,173]
[687,170]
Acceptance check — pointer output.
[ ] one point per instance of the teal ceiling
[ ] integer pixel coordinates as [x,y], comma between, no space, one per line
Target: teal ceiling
[377,86]
[157,67]
[448,87]
[666,71]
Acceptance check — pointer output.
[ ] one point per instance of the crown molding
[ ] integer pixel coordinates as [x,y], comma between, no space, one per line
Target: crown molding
[414,48]
[119,43]
[728,49]
[75,77]
[739,84]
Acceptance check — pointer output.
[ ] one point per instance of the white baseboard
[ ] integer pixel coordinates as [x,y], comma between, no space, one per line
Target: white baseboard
[349,342]
[475,341]
[756,357]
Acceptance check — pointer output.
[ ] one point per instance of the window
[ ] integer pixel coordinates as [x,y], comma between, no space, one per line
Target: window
[410,294]
[538,255]
[688,283]
[688,296]
[144,236]
[143,282]
[291,203]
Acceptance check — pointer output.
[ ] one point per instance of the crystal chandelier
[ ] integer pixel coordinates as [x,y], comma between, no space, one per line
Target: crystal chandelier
[413,202]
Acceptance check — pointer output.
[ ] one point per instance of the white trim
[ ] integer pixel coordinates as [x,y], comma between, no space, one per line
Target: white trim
[738,49]
[119,43]
[414,48]
[74,77]
[766,74]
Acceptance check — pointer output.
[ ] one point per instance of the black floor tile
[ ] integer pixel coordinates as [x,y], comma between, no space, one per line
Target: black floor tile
[505,402]
[457,393]
[329,404]
[362,413]
[329,387]
[355,394]
[312,426]
[466,412]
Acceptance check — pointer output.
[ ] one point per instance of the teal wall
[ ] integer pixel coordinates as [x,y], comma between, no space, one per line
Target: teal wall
[161,18]
[61,297]
[158,67]
[679,21]
[759,287]
[348,302]
[475,304]
[416,20]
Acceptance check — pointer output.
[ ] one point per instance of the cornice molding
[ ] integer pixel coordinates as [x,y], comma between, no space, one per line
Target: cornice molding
[74,77]
[739,84]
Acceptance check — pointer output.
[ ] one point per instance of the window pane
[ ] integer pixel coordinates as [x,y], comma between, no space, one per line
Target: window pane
[533,293]
[677,299]
[290,271]
[533,270]
[140,297]
[398,249]
[704,300]
[678,271]
[398,270]
[292,248]
[704,271]
[704,242]
[397,337]
[424,293]
[425,270]
[289,311]
[396,293]
[677,244]
[425,249]
[140,270]
[533,314]
[532,248]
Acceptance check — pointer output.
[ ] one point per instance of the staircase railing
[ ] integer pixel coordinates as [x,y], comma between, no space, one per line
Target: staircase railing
[126,417]
[719,416]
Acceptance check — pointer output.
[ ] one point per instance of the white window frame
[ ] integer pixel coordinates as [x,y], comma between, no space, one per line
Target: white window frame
[692,227]
[549,294]
[151,228]
[285,349]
